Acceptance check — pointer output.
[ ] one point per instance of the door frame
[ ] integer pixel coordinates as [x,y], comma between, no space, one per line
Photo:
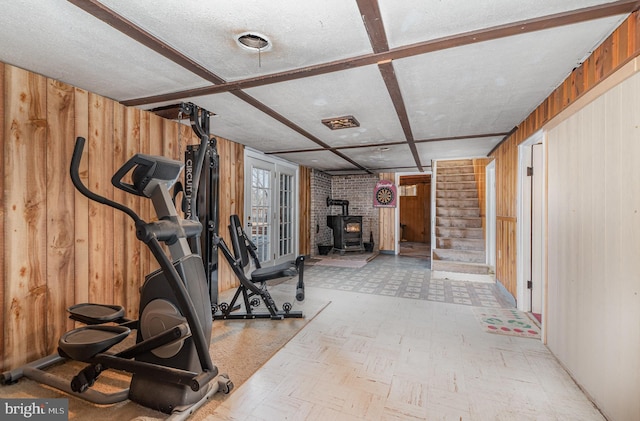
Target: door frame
[491,212]
[279,165]
[524,222]
[396,225]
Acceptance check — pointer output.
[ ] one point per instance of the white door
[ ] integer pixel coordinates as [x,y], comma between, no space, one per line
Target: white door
[270,210]
[531,224]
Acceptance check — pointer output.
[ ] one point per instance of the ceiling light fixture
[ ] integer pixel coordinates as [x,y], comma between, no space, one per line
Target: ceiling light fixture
[253,41]
[345,122]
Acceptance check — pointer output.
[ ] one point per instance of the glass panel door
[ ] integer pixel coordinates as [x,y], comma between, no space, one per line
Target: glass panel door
[271,210]
[259,219]
[285,238]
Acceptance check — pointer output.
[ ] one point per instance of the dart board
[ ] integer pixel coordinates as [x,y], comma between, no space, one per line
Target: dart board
[384,195]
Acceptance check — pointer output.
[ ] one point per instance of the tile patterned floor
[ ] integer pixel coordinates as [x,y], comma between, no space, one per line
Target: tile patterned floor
[369,357]
[404,277]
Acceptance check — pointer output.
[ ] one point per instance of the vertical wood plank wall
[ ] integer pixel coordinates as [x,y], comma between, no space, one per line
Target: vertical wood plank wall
[60,202]
[231,202]
[25,214]
[387,221]
[480,173]
[621,46]
[57,247]
[304,234]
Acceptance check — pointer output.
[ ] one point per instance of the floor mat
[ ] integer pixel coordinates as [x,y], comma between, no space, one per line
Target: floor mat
[507,322]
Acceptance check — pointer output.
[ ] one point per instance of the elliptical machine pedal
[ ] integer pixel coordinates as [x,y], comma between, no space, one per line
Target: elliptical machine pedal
[95,314]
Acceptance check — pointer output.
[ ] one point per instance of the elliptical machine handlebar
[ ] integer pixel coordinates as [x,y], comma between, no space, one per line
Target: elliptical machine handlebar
[77,182]
[148,172]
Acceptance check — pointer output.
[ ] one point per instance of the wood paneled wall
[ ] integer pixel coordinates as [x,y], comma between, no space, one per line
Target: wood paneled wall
[480,172]
[58,248]
[231,202]
[304,235]
[387,222]
[620,47]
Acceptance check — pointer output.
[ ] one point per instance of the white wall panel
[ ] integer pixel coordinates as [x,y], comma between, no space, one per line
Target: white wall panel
[593,324]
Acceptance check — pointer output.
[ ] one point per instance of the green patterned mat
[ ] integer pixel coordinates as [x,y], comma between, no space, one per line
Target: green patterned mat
[506,321]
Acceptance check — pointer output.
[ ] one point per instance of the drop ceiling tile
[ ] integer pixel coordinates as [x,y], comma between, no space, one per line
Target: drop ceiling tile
[240,122]
[412,21]
[462,148]
[60,41]
[377,157]
[492,86]
[301,33]
[359,92]
[322,160]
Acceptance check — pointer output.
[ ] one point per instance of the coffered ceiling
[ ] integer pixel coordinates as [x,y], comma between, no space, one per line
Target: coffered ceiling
[425,79]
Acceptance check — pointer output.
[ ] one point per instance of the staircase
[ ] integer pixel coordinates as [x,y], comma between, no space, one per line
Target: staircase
[459,249]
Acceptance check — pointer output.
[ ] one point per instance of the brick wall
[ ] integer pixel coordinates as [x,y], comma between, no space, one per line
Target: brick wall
[357,189]
[320,190]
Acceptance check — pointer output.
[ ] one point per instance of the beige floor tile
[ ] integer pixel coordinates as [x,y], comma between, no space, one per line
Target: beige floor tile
[368,357]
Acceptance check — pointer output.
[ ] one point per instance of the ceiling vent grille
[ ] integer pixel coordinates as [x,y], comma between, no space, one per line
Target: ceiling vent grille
[341,122]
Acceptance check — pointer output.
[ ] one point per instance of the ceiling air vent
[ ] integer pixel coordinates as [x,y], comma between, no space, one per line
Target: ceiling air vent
[341,122]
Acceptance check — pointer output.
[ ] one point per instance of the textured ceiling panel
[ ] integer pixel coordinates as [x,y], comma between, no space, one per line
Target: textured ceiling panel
[412,21]
[301,33]
[58,40]
[358,92]
[463,148]
[489,86]
[238,121]
[381,157]
[324,160]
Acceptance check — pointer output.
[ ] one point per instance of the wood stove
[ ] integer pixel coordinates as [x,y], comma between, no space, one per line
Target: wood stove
[347,229]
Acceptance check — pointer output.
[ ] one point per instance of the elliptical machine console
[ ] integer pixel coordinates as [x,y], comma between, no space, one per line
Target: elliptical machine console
[170,363]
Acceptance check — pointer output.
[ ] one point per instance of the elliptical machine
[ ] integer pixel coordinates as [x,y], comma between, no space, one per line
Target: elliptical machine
[170,363]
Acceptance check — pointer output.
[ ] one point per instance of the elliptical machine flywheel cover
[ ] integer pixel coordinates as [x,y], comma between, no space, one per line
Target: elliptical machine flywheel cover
[158,316]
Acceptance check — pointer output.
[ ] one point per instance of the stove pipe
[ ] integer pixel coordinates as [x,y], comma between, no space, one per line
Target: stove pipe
[336,202]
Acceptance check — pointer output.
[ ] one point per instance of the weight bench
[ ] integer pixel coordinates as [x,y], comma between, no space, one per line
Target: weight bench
[253,287]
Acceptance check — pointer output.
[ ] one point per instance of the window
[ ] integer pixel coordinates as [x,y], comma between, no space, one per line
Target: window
[409,190]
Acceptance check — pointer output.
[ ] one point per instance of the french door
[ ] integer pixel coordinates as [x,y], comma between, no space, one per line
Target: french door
[271,209]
